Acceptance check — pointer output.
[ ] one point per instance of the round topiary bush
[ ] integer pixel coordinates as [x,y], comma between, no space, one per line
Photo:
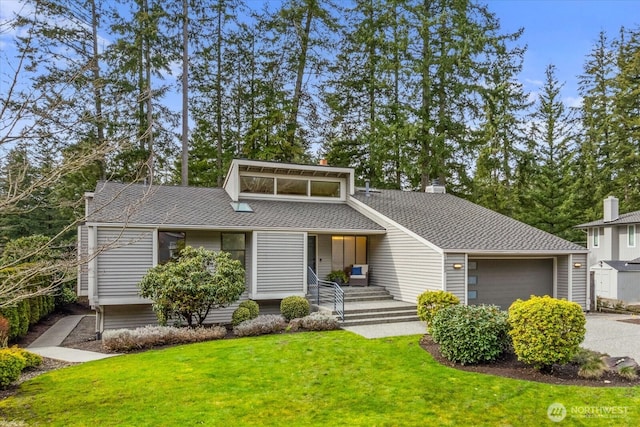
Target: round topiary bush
[239,315]
[471,334]
[430,302]
[11,365]
[252,306]
[546,330]
[294,307]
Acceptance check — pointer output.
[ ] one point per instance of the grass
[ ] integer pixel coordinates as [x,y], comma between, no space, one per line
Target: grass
[325,378]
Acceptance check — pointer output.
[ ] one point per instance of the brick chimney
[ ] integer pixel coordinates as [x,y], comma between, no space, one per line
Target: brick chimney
[610,209]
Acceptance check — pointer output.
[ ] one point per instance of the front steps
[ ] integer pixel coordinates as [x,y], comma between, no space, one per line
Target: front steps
[372,305]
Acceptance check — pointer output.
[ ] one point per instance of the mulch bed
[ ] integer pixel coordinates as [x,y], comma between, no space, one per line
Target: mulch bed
[509,366]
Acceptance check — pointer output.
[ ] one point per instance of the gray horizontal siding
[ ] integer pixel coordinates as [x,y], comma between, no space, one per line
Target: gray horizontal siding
[403,264]
[124,258]
[280,263]
[579,280]
[128,316]
[83,260]
[456,278]
[562,284]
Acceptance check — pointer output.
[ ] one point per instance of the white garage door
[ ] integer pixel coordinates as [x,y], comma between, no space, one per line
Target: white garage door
[502,281]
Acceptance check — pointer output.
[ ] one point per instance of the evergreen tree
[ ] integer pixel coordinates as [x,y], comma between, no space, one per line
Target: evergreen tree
[549,201]
[626,117]
[501,134]
[596,143]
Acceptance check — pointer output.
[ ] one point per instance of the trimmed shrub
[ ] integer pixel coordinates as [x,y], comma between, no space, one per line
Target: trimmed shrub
[267,324]
[34,310]
[319,321]
[239,315]
[294,307]
[471,334]
[252,306]
[430,302]
[32,360]
[294,325]
[24,312]
[5,329]
[124,340]
[11,365]
[546,330]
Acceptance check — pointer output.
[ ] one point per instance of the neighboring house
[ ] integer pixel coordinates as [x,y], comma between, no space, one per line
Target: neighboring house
[280,219]
[614,253]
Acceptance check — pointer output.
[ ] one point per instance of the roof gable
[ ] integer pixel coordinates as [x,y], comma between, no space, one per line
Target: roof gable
[455,224]
[627,218]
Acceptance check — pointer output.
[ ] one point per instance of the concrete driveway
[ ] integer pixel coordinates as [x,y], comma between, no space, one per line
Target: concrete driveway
[606,334]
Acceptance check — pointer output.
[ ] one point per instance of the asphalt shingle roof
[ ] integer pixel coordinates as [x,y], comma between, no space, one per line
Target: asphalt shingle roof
[627,218]
[452,223]
[624,265]
[210,207]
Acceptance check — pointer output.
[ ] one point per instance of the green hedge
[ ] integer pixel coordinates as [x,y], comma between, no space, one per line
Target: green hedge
[26,313]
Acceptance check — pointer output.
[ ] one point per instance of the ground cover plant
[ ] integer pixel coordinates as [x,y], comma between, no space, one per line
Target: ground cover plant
[315,378]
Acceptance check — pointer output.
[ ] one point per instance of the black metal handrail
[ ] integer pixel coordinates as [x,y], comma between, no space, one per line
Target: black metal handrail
[326,293]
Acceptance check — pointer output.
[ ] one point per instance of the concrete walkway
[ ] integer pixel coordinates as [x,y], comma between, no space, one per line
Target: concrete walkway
[388,329]
[606,334]
[48,344]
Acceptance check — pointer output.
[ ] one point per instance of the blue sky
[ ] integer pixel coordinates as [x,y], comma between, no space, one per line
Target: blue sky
[562,32]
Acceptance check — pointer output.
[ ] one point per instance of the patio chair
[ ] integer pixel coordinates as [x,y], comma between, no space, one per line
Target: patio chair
[359,275]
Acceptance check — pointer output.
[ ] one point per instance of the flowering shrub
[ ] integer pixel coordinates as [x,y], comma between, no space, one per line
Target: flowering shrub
[123,340]
[267,324]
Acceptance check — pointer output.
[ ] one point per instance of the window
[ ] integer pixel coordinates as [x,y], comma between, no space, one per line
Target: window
[170,243]
[631,236]
[325,189]
[292,187]
[348,250]
[286,186]
[256,184]
[234,244]
[596,237]
[472,295]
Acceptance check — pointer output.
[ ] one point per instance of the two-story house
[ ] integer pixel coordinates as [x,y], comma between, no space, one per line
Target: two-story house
[284,220]
[614,253]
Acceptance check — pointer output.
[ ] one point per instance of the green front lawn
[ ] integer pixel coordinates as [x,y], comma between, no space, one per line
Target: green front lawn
[328,378]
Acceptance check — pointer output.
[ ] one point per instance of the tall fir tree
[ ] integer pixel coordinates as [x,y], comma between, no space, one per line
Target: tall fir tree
[549,200]
[595,153]
[626,117]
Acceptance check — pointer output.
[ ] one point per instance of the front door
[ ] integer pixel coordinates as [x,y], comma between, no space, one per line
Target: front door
[311,253]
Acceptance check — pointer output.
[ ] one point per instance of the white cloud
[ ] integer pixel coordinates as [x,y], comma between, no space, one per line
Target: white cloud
[534,82]
[573,101]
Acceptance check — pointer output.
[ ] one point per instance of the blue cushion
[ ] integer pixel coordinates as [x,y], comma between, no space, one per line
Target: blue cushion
[356,271]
